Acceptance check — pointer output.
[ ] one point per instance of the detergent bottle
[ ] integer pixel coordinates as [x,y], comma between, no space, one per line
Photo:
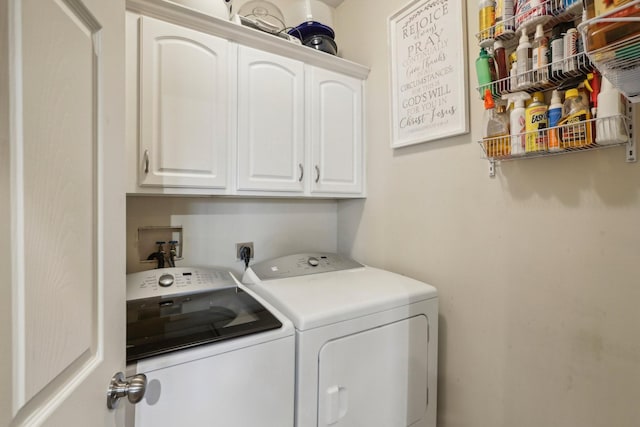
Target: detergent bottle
[536,124]
[553,115]
[485,71]
[610,128]
[495,128]
[576,127]
[517,122]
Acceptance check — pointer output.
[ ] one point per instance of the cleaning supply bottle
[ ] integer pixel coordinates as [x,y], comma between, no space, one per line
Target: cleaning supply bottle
[556,51]
[487,19]
[539,60]
[553,115]
[570,6]
[513,73]
[531,12]
[610,127]
[593,84]
[523,52]
[536,124]
[500,60]
[485,70]
[517,122]
[495,129]
[570,49]
[576,128]
[505,24]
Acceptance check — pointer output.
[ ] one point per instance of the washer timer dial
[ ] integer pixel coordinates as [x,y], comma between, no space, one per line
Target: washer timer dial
[166,280]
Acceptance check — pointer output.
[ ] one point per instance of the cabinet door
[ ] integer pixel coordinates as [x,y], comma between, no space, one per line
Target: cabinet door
[183,107]
[335,120]
[270,122]
[376,378]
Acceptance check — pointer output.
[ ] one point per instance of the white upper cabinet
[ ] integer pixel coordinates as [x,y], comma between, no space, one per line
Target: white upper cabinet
[183,107]
[270,122]
[215,108]
[334,119]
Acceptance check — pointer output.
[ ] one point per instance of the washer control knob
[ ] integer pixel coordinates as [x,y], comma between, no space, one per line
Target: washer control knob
[313,262]
[165,280]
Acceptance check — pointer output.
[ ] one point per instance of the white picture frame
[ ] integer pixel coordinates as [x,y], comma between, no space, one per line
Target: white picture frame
[428,72]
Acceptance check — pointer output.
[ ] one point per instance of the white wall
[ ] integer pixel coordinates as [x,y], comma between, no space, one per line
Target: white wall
[213,226]
[536,268]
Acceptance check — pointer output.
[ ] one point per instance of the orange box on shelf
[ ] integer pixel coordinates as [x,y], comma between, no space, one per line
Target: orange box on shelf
[603,34]
[605,6]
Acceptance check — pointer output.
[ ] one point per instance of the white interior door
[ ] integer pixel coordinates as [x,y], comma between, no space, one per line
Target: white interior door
[63,320]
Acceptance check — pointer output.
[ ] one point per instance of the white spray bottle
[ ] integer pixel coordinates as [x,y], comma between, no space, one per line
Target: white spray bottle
[517,122]
[609,125]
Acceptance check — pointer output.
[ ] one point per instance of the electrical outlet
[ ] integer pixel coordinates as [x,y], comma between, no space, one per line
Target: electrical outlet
[240,245]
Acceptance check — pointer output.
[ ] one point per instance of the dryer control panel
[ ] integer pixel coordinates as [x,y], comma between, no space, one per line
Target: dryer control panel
[302,265]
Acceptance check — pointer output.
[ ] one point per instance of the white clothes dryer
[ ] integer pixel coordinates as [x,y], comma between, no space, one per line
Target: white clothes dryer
[366,340]
[213,352]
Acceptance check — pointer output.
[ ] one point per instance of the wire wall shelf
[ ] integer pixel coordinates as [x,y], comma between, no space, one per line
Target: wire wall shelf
[547,13]
[612,42]
[586,135]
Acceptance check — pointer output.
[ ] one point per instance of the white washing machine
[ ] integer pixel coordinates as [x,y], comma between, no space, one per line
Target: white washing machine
[366,340]
[214,353]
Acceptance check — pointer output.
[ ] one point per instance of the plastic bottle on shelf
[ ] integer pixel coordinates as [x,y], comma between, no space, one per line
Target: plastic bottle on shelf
[592,83]
[505,25]
[485,70]
[556,51]
[584,63]
[536,124]
[523,52]
[610,127]
[517,122]
[570,49]
[531,12]
[576,130]
[539,60]
[513,72]
[589,8]
[500,60]
[554,113]
[487,20]
[571,6]
[495,129]
[556,7]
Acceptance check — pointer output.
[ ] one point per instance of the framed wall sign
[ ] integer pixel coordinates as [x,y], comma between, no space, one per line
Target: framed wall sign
[429,93]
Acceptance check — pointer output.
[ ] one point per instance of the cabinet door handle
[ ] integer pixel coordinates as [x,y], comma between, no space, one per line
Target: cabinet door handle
[301,172]
[317,174]
[146,161]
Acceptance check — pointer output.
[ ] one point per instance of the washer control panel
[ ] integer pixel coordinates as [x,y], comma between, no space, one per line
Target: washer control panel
[302,265]
[177,280]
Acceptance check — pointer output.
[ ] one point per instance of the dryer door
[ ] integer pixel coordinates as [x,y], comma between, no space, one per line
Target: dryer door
[376,378]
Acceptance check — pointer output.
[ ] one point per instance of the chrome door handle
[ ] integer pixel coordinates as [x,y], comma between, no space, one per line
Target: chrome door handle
[317,174]
[301,172]
[132,387]
[146,161]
